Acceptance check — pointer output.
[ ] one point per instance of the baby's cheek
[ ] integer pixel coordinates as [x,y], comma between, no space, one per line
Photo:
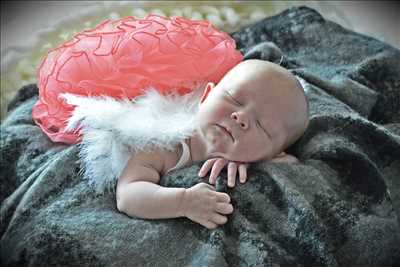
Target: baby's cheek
[216,137]
[255,153]
[210,115]
[220,109]
[242,153]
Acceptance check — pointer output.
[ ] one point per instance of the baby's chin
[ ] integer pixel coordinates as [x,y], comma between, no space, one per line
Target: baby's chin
[250,156]
[218,142]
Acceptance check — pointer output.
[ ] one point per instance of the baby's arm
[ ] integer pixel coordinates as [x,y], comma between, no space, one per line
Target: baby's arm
[138,194]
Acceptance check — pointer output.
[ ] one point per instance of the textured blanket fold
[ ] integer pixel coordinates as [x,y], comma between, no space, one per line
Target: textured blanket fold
[339,206]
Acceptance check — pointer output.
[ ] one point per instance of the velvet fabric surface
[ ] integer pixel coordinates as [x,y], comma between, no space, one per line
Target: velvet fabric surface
[339,206]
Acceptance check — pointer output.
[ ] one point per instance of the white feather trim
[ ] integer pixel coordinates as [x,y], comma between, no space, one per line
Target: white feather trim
[115,129]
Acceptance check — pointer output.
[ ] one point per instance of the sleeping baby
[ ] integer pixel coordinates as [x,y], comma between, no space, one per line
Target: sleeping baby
[253,114]
[137,98]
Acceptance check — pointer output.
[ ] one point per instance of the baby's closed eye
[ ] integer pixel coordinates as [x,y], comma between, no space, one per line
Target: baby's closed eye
[232,99]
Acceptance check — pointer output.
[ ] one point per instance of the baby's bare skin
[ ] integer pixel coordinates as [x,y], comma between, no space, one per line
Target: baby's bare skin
[138,193]
[252,115]
[240,168]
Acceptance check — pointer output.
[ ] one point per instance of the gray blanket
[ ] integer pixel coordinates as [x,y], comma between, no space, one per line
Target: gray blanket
[339,206]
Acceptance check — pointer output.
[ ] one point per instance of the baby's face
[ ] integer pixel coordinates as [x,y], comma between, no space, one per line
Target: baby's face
[243,121]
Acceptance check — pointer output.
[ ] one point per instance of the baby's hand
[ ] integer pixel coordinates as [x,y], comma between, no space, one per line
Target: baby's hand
[217,164]
[202,204]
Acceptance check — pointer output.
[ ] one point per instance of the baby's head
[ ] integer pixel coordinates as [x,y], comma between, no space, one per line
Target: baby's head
[254,113]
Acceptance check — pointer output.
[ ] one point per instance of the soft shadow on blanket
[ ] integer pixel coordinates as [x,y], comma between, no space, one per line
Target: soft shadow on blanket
[338,207]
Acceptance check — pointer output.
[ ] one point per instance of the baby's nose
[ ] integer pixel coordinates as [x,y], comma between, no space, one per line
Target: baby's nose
[241,119]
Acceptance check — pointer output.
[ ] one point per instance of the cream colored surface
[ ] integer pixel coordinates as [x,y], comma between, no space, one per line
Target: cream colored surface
[29,29]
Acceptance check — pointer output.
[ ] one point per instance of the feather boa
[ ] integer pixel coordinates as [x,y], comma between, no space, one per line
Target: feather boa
[112,130]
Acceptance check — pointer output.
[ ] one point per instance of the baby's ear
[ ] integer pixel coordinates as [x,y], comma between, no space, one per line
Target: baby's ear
[207,90]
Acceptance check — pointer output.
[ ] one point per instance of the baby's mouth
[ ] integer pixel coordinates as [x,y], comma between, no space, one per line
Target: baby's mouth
[227,131]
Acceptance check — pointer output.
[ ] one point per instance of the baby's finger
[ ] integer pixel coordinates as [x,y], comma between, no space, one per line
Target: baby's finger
[219,219]
[209,225]
[223,197]
[232,170]
[224,208]
[243,173]
[206,167]
[216,169]
[212,188]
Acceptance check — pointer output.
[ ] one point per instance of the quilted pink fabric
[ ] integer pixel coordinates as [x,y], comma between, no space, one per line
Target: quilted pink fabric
[124,57]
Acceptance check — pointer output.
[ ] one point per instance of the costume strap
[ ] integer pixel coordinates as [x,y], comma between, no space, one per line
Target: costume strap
[184,158]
